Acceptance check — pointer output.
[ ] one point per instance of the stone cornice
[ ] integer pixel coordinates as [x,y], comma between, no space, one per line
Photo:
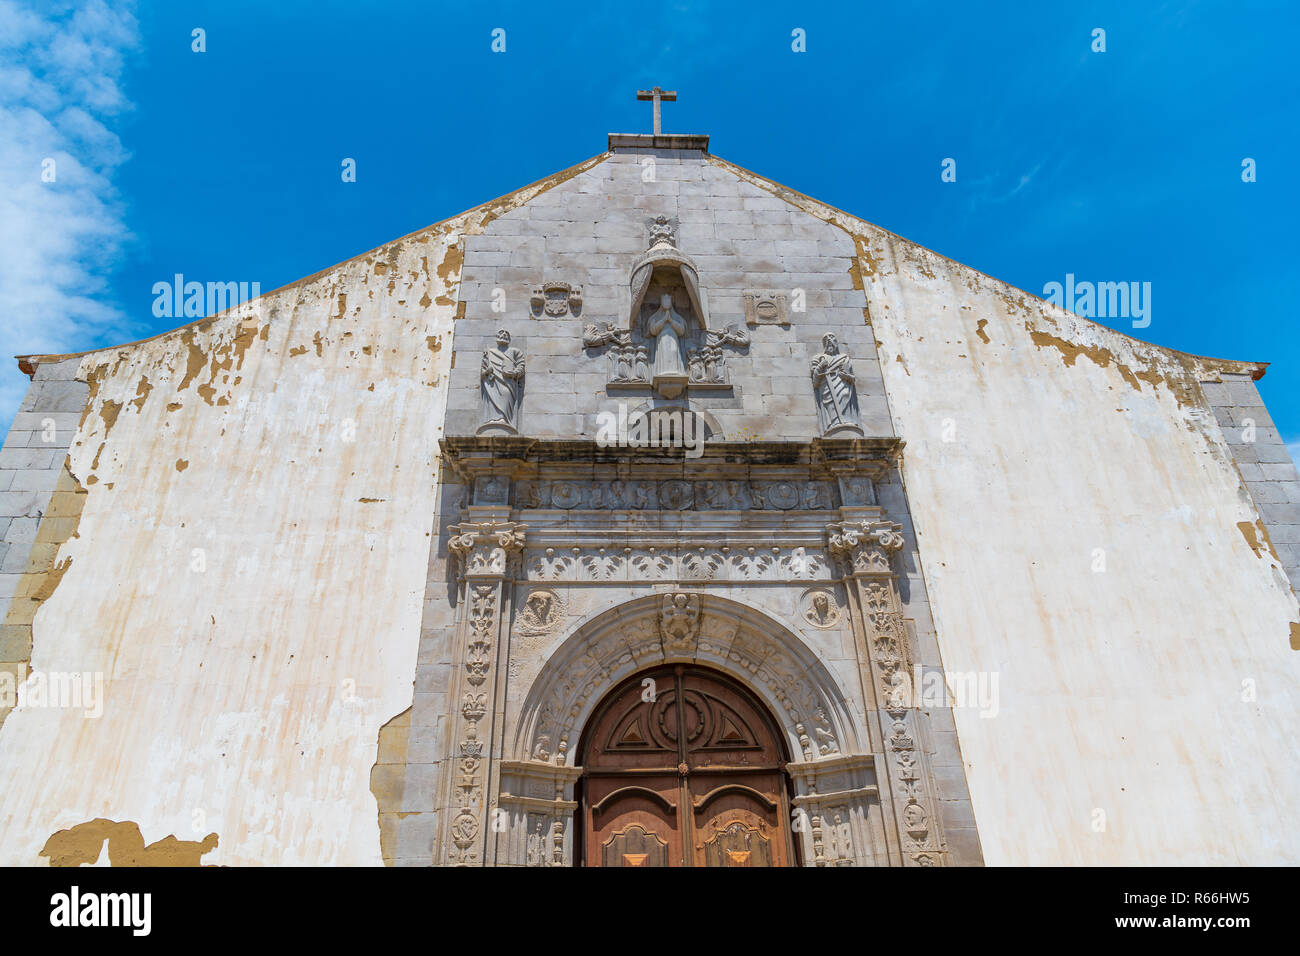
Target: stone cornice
[465,453]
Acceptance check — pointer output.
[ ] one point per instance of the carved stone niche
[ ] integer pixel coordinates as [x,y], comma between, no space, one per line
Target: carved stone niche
[554,299]
[766,307]
[837,809]
[533,822]
[667,344]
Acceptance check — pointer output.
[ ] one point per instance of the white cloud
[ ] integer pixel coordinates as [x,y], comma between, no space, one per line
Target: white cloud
[1294,448]
[60,70]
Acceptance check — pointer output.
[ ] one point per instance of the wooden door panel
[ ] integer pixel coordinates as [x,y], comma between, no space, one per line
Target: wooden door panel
[634,845]
[739,824]
[636,818]
[683,767]
[741,841]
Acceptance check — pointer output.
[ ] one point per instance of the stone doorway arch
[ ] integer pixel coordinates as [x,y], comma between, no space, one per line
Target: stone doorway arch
[836,800]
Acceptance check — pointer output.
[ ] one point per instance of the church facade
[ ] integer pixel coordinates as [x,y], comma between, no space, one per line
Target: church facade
[652,515]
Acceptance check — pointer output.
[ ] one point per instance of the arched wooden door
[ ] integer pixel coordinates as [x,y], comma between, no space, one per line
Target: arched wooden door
[684,767]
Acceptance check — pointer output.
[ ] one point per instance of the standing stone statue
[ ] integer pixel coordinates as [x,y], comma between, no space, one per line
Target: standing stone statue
[667,327]
[836,390]
[501,386]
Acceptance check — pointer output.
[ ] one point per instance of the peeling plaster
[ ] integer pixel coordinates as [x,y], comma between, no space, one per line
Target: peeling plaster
[242,601]
[1137,669]
[83,844]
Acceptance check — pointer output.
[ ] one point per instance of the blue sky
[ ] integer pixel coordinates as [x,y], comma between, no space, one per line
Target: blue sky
[225,165]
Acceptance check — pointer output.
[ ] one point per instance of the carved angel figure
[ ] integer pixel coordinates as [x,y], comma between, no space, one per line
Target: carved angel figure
[680,618]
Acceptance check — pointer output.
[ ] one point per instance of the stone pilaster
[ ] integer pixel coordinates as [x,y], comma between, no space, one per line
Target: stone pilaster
[865,544]
[485,548]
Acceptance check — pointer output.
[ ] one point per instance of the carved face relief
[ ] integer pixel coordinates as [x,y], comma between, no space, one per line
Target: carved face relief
[819,607]
[542,610]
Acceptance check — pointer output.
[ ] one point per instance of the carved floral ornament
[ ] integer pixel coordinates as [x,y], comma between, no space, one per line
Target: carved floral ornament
[484,548]
[686,626]
[865,546]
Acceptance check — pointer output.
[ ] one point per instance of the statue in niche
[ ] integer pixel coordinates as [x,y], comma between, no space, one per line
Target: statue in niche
[670,347]
[836,390]
[501,387]
[667,327]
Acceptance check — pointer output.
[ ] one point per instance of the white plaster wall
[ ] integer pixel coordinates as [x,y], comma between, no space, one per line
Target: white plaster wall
[1121,691]
[243,695]
[302,461]
[246,698]
[1125,691]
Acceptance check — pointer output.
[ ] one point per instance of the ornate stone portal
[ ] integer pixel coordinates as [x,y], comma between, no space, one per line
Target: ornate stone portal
[558,600]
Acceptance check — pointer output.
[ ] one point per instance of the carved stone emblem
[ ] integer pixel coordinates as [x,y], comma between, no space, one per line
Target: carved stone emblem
[766,307]
[556,299]
[663,231]
[679,620]
[914,819]
[542,610]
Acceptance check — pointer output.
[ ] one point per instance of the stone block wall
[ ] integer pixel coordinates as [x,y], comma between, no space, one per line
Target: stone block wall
[1264,462]
[590,231]
[39,505]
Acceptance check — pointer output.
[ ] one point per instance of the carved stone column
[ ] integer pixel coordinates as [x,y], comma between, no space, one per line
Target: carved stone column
[865,545]
[486,550]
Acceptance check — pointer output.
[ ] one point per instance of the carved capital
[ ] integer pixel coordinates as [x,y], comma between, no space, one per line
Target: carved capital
[483,549]
[865,547]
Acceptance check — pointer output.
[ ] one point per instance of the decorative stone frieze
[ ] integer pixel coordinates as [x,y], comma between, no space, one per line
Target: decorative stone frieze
[676,563]
[676,494]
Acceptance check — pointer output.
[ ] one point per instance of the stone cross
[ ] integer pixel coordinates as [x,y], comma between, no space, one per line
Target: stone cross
[657,94]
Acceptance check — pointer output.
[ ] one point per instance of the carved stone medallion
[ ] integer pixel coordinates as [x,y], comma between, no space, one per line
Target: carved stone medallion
[819,607]
[541,611]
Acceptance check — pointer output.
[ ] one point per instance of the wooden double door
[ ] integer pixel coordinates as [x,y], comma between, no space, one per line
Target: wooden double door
[684,767]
